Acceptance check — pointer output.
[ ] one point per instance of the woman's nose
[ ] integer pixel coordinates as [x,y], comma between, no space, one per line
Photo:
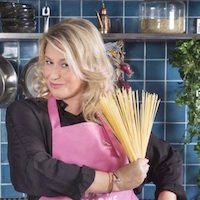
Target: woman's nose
[55,72]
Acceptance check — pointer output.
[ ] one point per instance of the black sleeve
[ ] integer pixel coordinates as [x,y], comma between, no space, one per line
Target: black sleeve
[166,170]
[33,170]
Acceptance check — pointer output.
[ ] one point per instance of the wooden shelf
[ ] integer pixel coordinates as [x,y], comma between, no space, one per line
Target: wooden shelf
[108,37]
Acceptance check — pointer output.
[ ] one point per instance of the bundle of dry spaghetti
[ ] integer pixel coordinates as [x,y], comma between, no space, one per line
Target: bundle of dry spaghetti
[130,120]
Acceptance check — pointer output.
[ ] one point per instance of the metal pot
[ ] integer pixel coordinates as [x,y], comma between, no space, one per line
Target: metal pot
[28,79]
[8,83]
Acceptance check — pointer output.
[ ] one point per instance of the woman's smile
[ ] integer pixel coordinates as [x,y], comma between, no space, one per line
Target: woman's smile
[55,85]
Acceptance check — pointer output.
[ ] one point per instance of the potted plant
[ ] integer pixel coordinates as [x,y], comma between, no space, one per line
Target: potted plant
[186,57]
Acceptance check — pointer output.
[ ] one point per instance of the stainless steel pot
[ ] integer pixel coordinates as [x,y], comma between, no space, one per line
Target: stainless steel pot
[8,83]
[28,79]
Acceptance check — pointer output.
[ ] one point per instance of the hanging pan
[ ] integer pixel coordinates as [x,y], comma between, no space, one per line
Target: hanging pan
[8,83]
[29,81]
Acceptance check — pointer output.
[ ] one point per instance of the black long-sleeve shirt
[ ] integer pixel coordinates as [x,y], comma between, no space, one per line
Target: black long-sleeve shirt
[36,173]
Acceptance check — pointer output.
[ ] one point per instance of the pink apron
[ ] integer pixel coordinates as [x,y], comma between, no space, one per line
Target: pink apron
[87,144]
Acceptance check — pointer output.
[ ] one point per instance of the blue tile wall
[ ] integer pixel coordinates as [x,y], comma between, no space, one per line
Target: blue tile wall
[70,8]
[152,72]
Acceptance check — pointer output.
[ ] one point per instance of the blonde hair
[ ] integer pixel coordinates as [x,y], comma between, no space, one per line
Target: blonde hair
[84,51]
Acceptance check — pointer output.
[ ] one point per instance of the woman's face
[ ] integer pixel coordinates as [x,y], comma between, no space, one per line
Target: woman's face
[61,81]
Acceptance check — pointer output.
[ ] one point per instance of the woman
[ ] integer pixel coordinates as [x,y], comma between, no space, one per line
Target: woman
[58,146]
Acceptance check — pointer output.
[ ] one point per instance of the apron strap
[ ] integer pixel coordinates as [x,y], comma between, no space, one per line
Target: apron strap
[53,112]
[108,131]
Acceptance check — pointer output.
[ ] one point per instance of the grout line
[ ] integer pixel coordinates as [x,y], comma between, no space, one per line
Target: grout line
[0,153]
[18,60]
[4,143]
[39,18]
[60,10]
[185,153]
[123,18]
[144,87]
[139,80]
[81,8]
[186,17]
[144,63]
[165,92]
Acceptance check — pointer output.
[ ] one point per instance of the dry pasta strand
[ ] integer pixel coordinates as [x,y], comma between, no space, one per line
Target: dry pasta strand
[130,120]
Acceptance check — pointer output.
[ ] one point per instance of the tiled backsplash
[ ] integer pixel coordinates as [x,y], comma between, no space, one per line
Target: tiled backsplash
[152,72]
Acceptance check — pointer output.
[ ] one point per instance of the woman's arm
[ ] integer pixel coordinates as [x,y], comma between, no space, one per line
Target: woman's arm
[166,170]
[127,177]
[166,195]
[33,170]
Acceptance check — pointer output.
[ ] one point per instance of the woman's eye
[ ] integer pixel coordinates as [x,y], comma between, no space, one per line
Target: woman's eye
[65,65]
[47,62]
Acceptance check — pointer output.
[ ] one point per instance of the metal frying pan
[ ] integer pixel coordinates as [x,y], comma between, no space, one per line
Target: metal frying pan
[29,80]
[8,83]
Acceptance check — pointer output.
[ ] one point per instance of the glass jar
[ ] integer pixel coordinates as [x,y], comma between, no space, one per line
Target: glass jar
[162,17]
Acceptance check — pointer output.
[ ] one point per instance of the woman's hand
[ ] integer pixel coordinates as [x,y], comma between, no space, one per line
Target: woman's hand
[131,175]
[166,195]
[127,177]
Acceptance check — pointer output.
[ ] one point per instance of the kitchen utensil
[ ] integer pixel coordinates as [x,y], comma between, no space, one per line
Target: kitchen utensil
[17,17]
[14,29]
[46,15]
[18,22]
[10,8]
[8,82]
[28,78]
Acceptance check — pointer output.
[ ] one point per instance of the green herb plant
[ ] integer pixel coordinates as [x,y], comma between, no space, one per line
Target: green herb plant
[186,57]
